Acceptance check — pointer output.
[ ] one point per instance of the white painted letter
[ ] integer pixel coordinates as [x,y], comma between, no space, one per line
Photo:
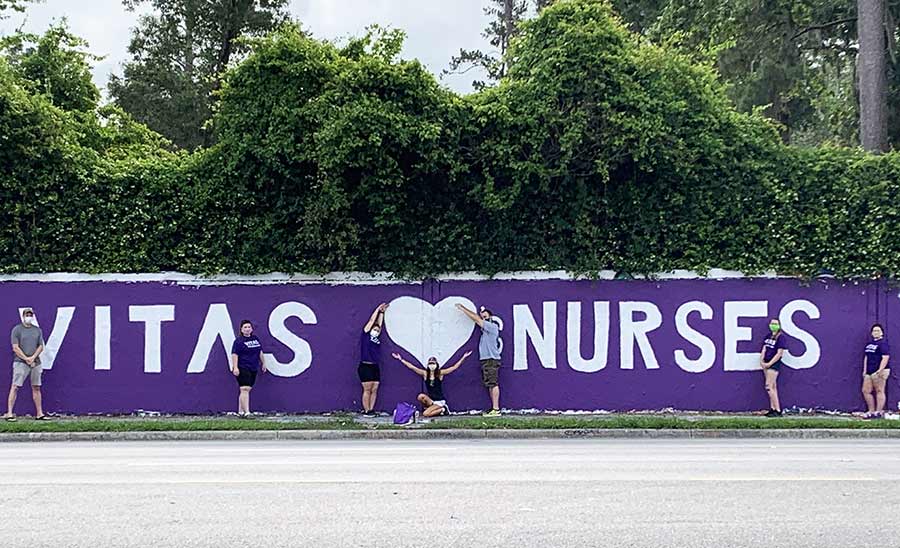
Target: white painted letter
[152,316]
[811,357]
[102,335]
[279,331]
[217,325]
[691,335]
[734,333]
[60,328]
[631,331]
[601,337]
[524,328]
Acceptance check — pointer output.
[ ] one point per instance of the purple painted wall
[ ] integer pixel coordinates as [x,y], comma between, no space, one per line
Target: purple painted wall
[695,359]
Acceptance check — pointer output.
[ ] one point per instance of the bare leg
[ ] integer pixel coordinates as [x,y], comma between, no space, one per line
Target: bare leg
[867,394]
[368,398]
[772,389]
[11,400]
[36,396]
[880,397]
[373,395]
[244,400]
[425,400]
[495,397]
[433,411]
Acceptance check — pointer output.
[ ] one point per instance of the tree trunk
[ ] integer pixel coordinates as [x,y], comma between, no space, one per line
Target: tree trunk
[190,23]
[872,66]
[509,25]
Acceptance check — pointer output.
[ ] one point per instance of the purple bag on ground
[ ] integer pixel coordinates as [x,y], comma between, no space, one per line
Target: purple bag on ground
[405,413]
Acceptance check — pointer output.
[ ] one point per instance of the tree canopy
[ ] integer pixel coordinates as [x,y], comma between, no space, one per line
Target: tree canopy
[599,149]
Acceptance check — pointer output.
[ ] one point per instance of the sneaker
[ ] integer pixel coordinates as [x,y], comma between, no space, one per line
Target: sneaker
[371,413]
[773,413]
[491,413]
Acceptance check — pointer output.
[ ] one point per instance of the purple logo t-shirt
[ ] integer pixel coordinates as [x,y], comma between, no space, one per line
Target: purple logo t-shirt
[247,350]
[875,350]
[369,348]
[772,345]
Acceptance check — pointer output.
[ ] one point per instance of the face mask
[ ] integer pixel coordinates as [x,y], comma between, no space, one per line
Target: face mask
[28,320]
[432,366]
[774,327]
[375,333]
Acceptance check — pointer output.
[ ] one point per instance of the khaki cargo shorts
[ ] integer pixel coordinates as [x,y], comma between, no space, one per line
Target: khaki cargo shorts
[490,372]
[883,376]
[22,371]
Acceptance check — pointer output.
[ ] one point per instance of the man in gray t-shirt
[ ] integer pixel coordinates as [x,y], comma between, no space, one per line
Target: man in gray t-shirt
[488,353]
[27,341]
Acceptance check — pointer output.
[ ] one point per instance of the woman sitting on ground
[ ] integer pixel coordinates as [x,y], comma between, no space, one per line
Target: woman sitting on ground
[433,401]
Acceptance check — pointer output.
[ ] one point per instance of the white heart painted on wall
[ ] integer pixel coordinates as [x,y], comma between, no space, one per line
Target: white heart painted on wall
[425,330]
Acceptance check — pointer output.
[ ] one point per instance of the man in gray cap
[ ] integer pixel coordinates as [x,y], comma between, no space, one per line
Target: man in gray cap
[27,345]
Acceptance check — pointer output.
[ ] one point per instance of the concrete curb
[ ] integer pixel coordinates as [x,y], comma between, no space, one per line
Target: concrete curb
[455,434]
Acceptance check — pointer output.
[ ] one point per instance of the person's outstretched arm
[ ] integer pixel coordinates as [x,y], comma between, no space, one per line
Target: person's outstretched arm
[375,317]
[379,319]
[456,365]
[408,365]
[472,315]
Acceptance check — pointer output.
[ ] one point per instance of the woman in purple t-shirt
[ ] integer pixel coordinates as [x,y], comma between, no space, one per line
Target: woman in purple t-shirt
[875,371]
[369,370]
[770,360]
[246,361]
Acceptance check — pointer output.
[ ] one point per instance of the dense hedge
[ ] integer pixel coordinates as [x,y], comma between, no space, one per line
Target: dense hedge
[598,151]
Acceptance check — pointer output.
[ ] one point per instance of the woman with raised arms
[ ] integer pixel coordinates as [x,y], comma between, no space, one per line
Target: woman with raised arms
[433,402]
[369,368]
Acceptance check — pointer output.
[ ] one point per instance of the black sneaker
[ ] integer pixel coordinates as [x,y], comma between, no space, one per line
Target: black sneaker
[773,413]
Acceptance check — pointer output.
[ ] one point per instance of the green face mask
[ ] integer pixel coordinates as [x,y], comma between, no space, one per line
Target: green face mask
[774,327]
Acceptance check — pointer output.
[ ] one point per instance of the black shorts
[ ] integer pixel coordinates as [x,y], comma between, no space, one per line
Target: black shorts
[775,366]
[246,377]
[369,372]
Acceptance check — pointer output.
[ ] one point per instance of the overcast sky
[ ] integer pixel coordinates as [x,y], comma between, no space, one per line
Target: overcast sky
[435,29]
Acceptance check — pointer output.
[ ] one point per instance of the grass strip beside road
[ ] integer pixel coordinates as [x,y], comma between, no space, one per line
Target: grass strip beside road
[169,425]
[665,423]
[349,422]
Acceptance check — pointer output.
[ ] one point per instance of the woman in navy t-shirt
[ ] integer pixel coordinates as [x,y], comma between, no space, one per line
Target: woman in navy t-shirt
[246,361]
[369,371]
[770,360]
[875,371]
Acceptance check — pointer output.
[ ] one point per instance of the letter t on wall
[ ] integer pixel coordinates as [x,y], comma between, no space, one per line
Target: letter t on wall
[152,316]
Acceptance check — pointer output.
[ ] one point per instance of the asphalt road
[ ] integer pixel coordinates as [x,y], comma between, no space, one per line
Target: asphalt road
[591,493]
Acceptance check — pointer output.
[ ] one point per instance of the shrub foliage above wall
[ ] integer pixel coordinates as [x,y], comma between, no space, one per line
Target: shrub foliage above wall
[598,151]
